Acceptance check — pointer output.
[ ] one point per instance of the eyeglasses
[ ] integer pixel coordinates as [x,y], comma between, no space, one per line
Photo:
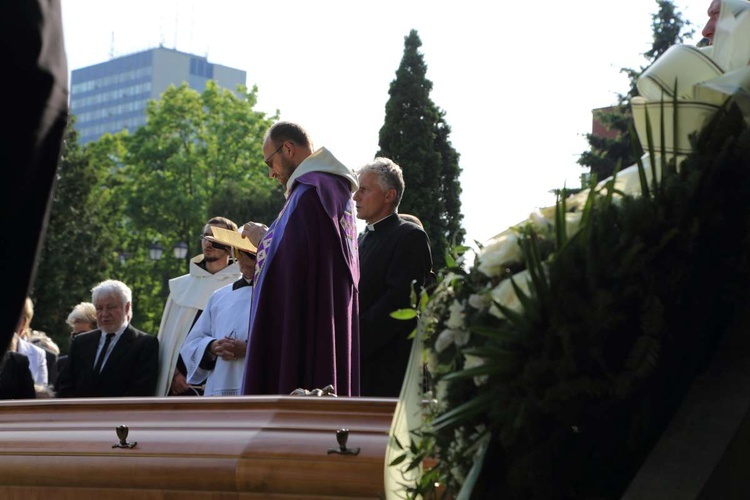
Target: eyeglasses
[217,246]
[267,161]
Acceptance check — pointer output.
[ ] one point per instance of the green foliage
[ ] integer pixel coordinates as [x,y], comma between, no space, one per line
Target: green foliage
[668,28]
[404,314]
[606,153]
[416,136]
[564,394]
[79,243]
[198,156]
[193,147]
[258,202]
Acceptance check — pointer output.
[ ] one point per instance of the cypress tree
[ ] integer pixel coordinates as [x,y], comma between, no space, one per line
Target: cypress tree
[606,153]
[416,136]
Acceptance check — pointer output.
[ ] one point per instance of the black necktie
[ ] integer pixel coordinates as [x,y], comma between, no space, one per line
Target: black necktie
[100,361]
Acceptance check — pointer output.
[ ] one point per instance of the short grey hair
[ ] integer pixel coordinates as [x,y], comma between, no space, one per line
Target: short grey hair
[389,174]
[114,287]
[85,312]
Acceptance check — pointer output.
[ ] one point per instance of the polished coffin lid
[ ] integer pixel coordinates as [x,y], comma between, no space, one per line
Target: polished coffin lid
[229,447]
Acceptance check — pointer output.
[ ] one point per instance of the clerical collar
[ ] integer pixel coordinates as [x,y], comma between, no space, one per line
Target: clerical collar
[242,282]
[371,227]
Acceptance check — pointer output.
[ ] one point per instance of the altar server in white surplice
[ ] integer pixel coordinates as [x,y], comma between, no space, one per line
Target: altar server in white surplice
[214,350]
[188,296]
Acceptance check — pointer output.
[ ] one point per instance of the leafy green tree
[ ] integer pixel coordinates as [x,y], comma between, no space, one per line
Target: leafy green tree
[192,147]
[416,136]
[198,156]
[80,241]
[258,202]
[606,153]
[450,185]
[129,261]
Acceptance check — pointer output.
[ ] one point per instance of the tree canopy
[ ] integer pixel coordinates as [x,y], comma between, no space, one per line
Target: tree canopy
[193,149]
[416,135]
[199,155]
[608,151]
[77,238]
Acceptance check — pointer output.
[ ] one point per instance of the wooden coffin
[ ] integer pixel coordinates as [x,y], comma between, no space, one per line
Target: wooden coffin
[219,448]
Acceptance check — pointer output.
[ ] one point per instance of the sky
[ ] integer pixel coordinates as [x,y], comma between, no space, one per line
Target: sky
[517,81]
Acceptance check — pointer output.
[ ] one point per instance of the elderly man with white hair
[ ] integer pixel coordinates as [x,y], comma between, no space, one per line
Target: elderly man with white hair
[115,360]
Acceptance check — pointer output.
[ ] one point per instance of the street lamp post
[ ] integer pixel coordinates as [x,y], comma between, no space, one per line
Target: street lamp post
[156,251]
[180,252]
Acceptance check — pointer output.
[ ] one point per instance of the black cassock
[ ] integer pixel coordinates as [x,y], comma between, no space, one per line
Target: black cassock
[391,257]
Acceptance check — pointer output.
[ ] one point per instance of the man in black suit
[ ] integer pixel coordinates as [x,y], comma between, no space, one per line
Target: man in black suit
[115,359]
[394,254]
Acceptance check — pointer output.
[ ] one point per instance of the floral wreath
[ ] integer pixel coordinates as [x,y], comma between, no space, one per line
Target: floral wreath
[553,362]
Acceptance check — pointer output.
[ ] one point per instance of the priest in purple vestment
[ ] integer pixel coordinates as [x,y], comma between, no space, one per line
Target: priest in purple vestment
[304,317]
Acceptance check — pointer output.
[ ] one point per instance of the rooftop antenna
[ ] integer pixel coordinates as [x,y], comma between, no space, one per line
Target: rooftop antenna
[192,24]
[112,46]
[176,23]
[161,31]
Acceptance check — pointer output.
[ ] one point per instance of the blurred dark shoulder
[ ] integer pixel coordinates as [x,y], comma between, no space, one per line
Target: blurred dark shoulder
[15,377]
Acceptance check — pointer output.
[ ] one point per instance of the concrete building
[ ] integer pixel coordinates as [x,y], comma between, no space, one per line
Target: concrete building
[112,96]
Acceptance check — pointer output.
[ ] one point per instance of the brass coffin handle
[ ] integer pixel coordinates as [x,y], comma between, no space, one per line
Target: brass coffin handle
[341,436]
[122,434]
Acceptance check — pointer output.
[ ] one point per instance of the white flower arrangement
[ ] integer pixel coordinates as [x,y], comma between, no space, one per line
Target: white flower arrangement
[500,251]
